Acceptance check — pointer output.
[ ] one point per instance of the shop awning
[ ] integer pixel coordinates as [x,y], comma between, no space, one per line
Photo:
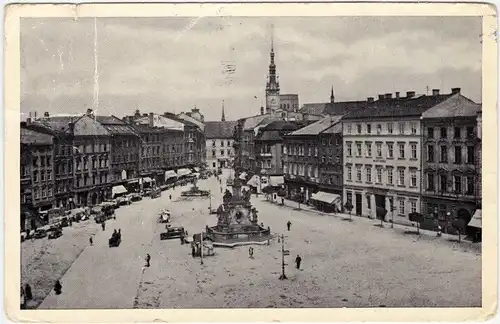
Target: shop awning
[118,190]
[170,174]
[276,181]
[477,220]
[183,172]
[254,181]
[325,197]
[146,179]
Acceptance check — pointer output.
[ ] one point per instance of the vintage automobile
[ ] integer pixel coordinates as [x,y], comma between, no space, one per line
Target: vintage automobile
[54,232]
[124,200]
[115,240]
[147,192]
[164,216]
[40,232]
[135,197]
[172,232]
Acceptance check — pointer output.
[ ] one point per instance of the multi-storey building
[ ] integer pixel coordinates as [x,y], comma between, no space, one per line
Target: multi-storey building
[382,148]
[269,148]
[289,102]
[194,140]
[151,155]
[334,107]
[37,172]
[219,140]
[307,152]
[451,149]
[173,156]
[125,149]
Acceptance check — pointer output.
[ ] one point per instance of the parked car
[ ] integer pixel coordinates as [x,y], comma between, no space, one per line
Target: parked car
[40,233]
[54,233]
[135,197]
[124,200]
[172,232]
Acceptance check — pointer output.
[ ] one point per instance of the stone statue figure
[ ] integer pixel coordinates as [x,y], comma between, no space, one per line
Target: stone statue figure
[254,215]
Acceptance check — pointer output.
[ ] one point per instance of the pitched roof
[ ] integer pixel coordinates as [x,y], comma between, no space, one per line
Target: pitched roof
[403,107]
[335,129]
[115,126]
[313,108]
[252,121]
[344,107]
[272,135]
[29,136]
[317,127]
[219,129]
[455,106]
[280,125]
[142,128]
[58,123]
[168,121]
[87,126]
[192,120]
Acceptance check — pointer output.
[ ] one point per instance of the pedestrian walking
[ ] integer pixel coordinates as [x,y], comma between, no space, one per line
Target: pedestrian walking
[282,201]
[298,260]
[103,225]
[193,251]
[91,241]
[170,197]
[58,287]
[288,225]
[148,260]
[250,252]
[28,292]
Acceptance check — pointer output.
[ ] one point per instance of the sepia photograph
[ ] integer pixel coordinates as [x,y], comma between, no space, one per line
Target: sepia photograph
[229,161]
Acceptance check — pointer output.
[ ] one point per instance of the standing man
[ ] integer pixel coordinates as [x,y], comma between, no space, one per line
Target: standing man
[91,241]
[250,252]
[288,225]
[148,260]
[298,260]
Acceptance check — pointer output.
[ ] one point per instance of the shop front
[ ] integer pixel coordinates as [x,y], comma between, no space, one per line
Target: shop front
[474,228]
[327,202]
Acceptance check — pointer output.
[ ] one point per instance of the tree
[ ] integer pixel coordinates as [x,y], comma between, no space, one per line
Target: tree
[349,207]
[381,212]
[416,218]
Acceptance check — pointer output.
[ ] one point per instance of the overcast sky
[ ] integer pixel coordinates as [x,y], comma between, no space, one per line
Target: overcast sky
[173,64]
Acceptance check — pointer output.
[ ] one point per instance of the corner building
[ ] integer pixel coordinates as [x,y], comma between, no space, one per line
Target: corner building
[382,155]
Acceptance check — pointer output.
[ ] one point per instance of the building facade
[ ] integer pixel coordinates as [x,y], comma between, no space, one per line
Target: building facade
[125,149]
[289,102]
[219,141]
[451,168]
[151,155]
[382,156]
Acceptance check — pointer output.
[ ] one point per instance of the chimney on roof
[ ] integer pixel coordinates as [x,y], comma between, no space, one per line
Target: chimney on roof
[380,97]
[370,99]
[397,94]
[151,120]
[455,90]
[137,113]
[388,96]
[35,114]
[410,94]
[46,114]
[435,92]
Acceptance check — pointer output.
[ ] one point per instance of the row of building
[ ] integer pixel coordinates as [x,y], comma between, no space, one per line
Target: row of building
[405,154]
[70,161]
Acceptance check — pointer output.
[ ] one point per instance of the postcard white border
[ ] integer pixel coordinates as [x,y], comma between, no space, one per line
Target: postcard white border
[12,149]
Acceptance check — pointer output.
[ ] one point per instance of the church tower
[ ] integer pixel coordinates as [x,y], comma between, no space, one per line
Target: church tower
[272,86]
[223,118]
[332,97]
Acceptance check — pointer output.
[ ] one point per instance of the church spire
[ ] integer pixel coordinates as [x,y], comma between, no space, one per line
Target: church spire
[272,82]
[332,96]
[223,118]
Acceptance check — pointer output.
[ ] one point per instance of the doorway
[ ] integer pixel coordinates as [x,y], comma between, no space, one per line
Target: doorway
[380,201]
[359,204]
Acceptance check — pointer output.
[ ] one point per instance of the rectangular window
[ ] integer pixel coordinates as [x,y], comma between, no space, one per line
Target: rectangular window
[456,133]
[349,129]
[389,176]
[49,175]
[368,174]
[443,183]
[414,151]
[458,184]
[470,154]
[470,132]
[413,206]
[458,155]
[430,153]
[358,173]
[368,202]
[414,128]
[430,181]
[470,185]
[349,197]
[444,154]
[413,178]
[430,132]
[390,150]
[390,128]
[379,175]
[401,128]
[401,151]
[379,150]
[358,127]
[401,177]
[368,149]
[369,128]
[358,147]
[402,207]
[379,128]
[349,173]
[443,132]
[222,152]
[349,149]
[42,175]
